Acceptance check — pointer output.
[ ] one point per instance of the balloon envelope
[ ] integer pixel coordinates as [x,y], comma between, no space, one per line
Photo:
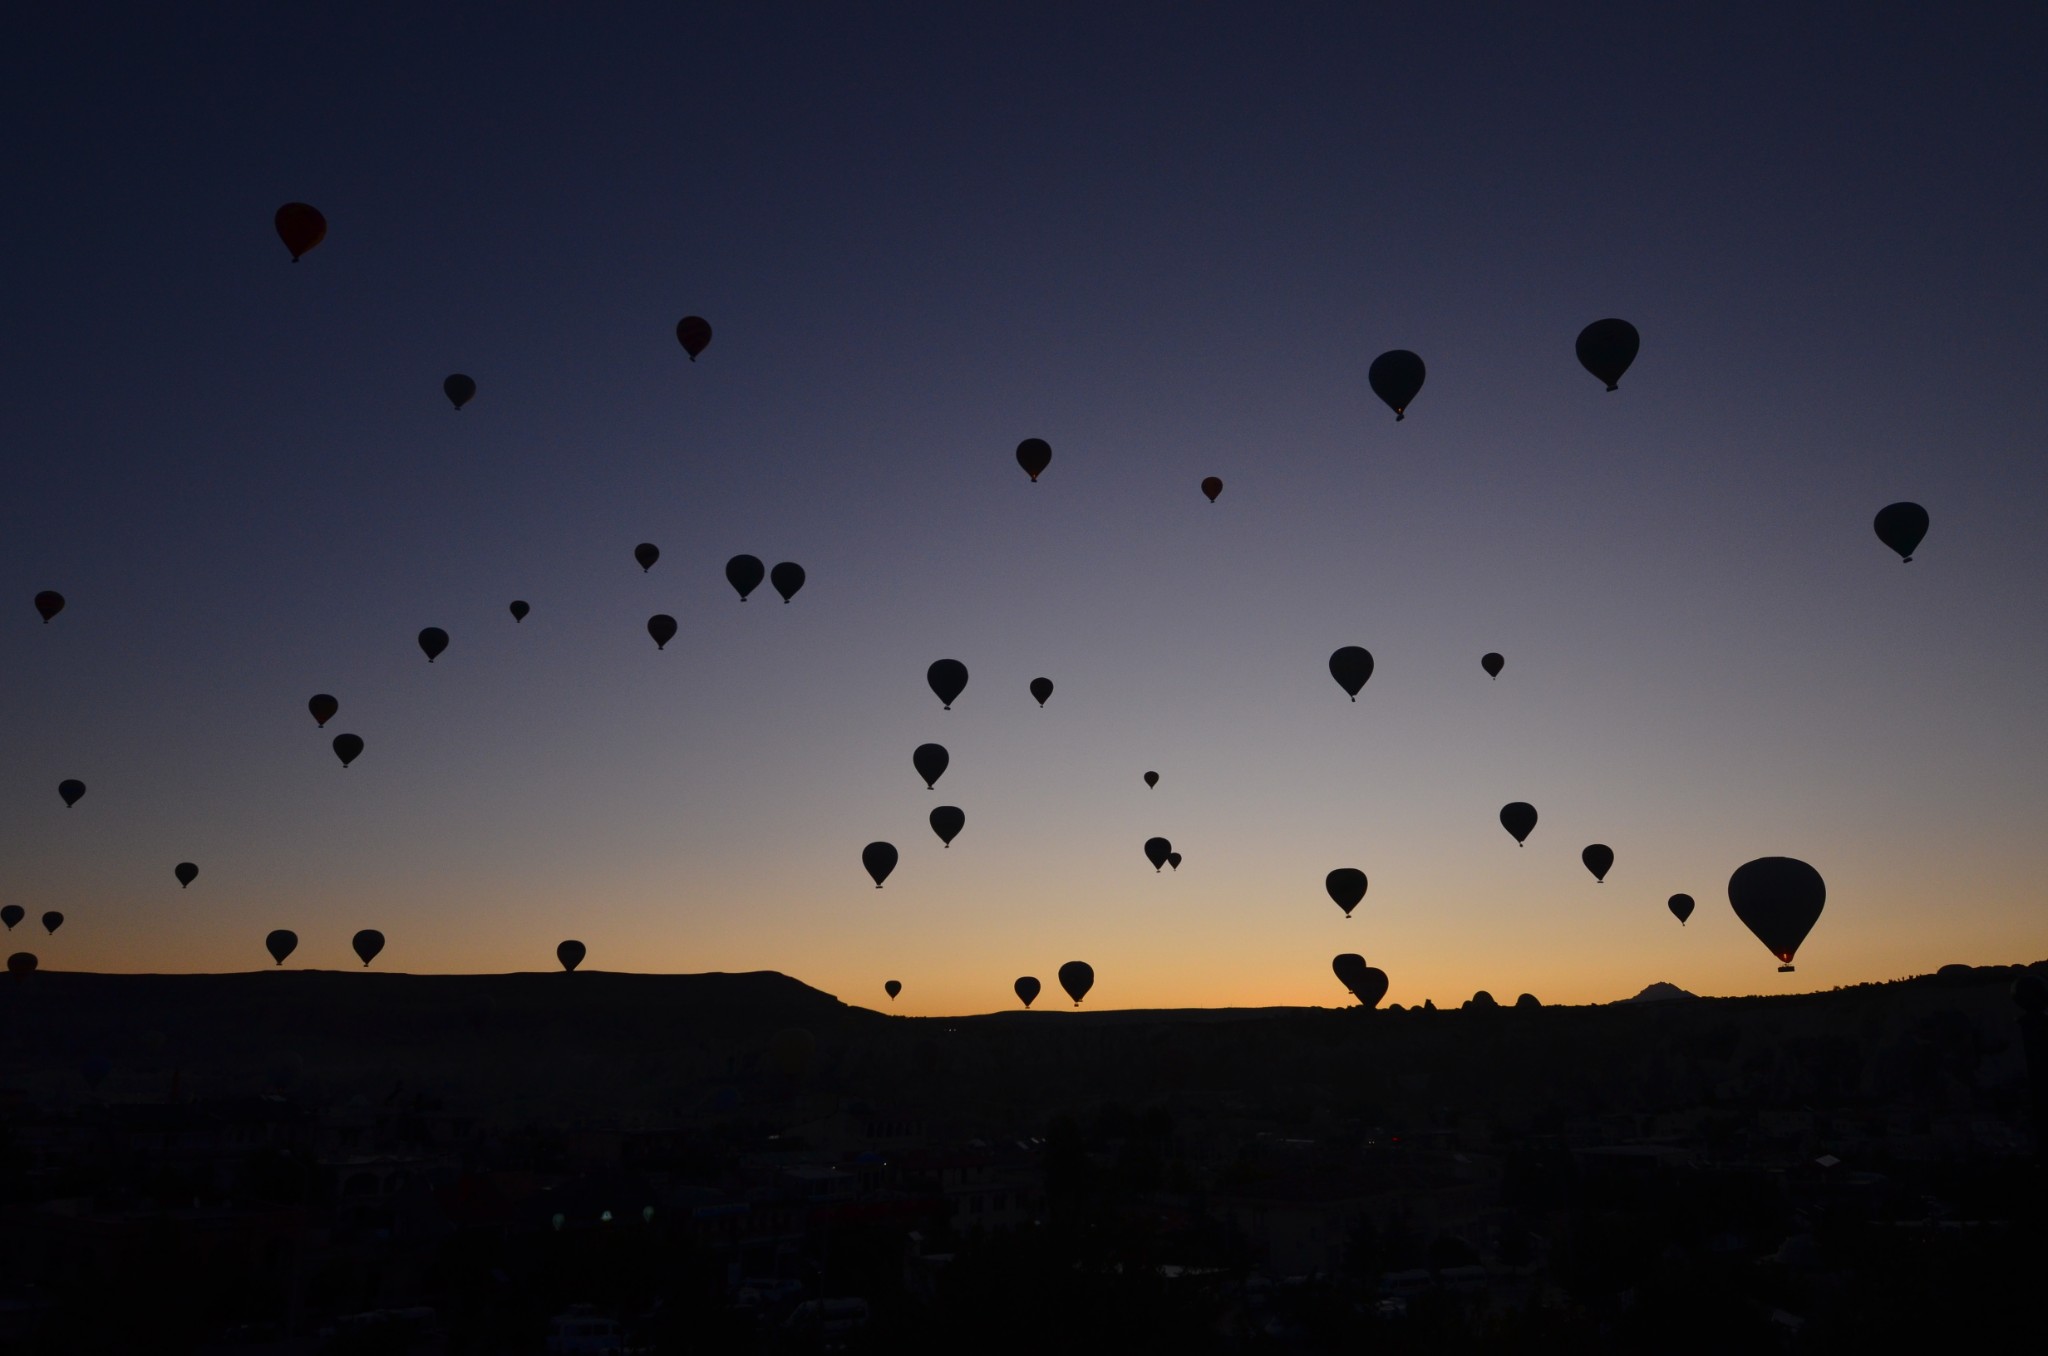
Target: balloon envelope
[787,578]
[662,627]
[1681,907]
[646,553]
[1349,969]
[880,860]
[519,609]
[1599,858]
[1607,347]
[1396,377]
[1492,663]
[892,987]
[1346,886]
[947,821]
[48,604]
[948,679]
[368,943]
[1041,688]
[693,332]
[1077,978]
[570,954]
[1034,455]
[348,748]
[433,641]
[281,943]
[459,389]
[52,921]
[300,226]
[1151,779]
[1212,487]
[1173,860]
[1026,988]
[1901,526]
[21,963]
[186,873]
[70,789]
[930,760]
[745,574]
[1157,850]
[1518,817]
[12,914]
[323,707]
[1779,899]
[1351,667]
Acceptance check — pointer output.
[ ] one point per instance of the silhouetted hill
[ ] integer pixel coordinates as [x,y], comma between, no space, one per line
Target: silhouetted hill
[1660,992]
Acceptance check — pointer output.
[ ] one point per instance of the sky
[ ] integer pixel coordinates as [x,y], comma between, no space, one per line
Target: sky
[1169,240]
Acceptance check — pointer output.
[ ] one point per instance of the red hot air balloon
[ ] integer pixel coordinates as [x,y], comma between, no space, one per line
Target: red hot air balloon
[48,604]
[1212,487]
[301,227]
[693,332]
[1034,455]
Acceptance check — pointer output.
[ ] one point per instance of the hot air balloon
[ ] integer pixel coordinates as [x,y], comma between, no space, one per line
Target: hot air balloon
[1901,526]
[301,227]
[1518,817]
[1396,377]
[186,873]
[694,334]
[348,748]
[11,915]
[1151,779]
[70,789]
[323,708]
[663,628]
[1212,487]
[570,954]
[1598,858]
[1607,347]
[1350,970]
[1346,886]
[948,679]
[433,641]
[947,821]
[21,964]
[892,987]
[1779,899]
[930,760]
[1681,908]
[745,574]
[787,578]
[1041,688]
[1026,989]
[1157,850]
[1493,664]
[1173,860]
[459,389]
[519,609]
[48,604]
[1034,455]
[368,943]
[1351,667]
[880,860]
[52,921]
[1077,978]
[646,553]
[281,943]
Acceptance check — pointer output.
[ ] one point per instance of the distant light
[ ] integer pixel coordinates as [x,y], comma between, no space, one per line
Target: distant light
[606,1217]
[647,1214]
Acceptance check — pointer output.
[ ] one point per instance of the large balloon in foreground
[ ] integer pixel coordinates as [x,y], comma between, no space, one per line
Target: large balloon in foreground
[1151,779]
[11,915]
[281,943]
[1492,663]
[1901,526]
[1351,667]
[930,760]
[348,748]
[48,604]
[1779,899]
[947,821]
[646,553]
[186,873]
[300,226]
[1518,817]
[1681,908]
[433,640]
[368,943]
[745,574]
[1077,978]
[52,921]
[1607,347]
[1157,850]
[519,609]
[1212,487]
[1346,886]
[787,578]
[21,964]
[880,860]
[1041,688]
[1026,988]
[892,987]
[1396,377]
[70,789]
[459,389]
[323,707]
[948,679]
[570,954]
[1034,455]
[693,332]
[1599,859]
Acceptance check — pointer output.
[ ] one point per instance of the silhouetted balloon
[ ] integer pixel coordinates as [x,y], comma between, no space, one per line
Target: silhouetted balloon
[21,964]
[1492,663]
[1598,858]
[1034,455]
[1151,779]
[433,641]
[459,389]
[1347,886]
[71,789]
[1376,983]
[646,553]
[49,603]
[948,679]
[1607,347]
[745,574]
[348,748]
[663,628]
[880,860]
[1212,487]
[570,954]
[1681,908]
[281,943]
[186,873]
[1901,526]
[11,915]
[1157,850]
[1041,688]
[1349,969]
[1351,667]
[1396,377]
[1026,988]
[300,226]
[787,578]
[368,943]
[323,708]
[947,821]
[1173,860]
[1518,817]
[1779,899]
[693,332]
[930,760]
[52,921]
[892,987]
[1077,978]
[519,609]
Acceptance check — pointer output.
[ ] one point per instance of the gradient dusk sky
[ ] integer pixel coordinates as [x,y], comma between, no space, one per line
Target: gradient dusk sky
[1168,239]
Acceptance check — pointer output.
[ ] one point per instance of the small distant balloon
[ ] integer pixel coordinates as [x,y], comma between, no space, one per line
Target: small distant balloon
[931,761]
[519,609]
[693,332]
[52,921]
[1346,886]
[880,860]
[662,627]
[1351,667]
[348,748]
[646,553]
[948,679]
[1151,779]
[1493,664]
[1518,817]
[1077,978]
[1599,858]
[892,987]
[947,821]
[48,604]
[570,954]
[459,389]
[368,943]
[323,708]
[186,873]
[1901,526]
[70,789]
[1157,850]
[1779,899]
[1026,989]
[1607,347]
[787,578]
[1681,908]
[1396,377]
[281,943]
[1041,688]
[1212,487]
[745,574]
[433,640]
[1173,860]
[300,226]
[12,914]
[21,964]
[1034,455]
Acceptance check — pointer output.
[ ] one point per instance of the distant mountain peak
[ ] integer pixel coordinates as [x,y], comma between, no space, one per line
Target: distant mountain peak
[1660,992]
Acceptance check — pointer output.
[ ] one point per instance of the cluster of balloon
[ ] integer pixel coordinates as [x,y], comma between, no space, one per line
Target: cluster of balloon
[693,332]
[931,761]
[1599,859]
[570,954]
[186,873]
[1034,455]
[52,921]
[1396,377]
[1779,899]
[433,640]
[459,389]
[1026,989]
[301,227]
[1681,908]
[281,943]
[947,821]
[48,604]
[1492,663]
[1077,978]
[1607,347]
[519,609]
[1518,817]
[21,964]
[71,789]
[1352,668]
[367,944]
[1347,887]
[1901,526]
[646,553]
[1157,850]
[1151,779]
[947,679]
[879,859]
[1041,688]
[12,914]
[662,627]
[348,748]
[1212,487]
[892,987]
